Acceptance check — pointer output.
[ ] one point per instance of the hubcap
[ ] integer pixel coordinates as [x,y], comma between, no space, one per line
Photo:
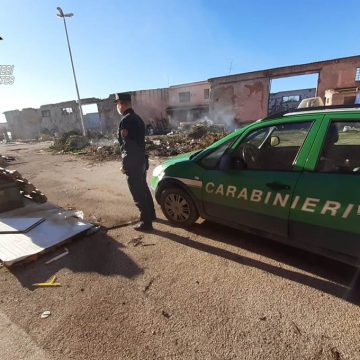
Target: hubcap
[177,207]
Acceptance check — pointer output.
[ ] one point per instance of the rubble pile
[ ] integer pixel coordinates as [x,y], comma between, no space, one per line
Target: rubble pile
[102,153]
[70,141]
[170,145]
[197,136]
[25,187]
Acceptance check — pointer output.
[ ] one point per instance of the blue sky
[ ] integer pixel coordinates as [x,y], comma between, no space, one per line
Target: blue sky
[141,44]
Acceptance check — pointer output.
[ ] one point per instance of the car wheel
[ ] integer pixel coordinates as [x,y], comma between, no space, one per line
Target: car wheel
[178,207]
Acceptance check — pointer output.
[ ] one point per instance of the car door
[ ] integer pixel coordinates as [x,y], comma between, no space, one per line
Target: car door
[256,190]
[327,211]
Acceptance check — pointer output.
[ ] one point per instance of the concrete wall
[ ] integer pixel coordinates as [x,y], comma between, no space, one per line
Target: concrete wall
[3,131]
[58,122]
[342,96]
[238,101]
[277,103]
[149,104]
[196,91]
[338,73]
[24,124]
[195,108]
[244,97]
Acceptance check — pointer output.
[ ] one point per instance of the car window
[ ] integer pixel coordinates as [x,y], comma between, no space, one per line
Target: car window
[211,160]
[341,148]
[271,147]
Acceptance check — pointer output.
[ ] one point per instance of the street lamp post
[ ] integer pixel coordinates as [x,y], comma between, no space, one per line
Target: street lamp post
[63,16]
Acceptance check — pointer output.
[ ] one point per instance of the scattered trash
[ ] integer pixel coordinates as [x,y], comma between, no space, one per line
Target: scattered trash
[188,137]
[147,287]
[25,187]
[58,257]
[296,328]
[126,223]
[165,314]
[136,241]
[70,141]
[45,314]
[51,282]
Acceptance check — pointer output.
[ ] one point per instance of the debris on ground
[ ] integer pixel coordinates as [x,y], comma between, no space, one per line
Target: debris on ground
[171,145]
[70,141]
[50,283]
[45,314]
[55,228]
[136,241]
[165,314]
[25,187]
[189,138]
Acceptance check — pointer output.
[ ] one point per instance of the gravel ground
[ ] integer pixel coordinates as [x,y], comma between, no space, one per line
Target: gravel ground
[205,293]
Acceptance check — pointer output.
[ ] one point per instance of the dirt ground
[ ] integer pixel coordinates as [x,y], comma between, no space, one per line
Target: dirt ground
[209,292]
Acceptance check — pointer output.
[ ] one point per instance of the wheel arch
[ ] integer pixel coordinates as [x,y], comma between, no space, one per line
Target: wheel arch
[170,182]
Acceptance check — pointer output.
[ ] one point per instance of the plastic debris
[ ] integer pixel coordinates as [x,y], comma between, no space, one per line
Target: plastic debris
[51,282]
[45,314]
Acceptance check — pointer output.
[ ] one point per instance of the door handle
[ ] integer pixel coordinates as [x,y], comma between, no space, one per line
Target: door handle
[278,186]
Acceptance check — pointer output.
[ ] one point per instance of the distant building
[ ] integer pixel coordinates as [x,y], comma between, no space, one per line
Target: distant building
[24,124]
[188,102]
[287,100]
[232,100]
[243,98]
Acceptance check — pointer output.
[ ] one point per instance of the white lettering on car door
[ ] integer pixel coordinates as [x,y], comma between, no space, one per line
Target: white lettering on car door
[281,200]
[310,204]
[231,190]
[332,207]
[256,195]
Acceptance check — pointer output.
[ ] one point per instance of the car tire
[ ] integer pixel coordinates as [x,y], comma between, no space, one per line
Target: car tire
[178,207]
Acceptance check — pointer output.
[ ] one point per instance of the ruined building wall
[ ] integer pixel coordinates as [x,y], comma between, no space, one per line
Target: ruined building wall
[244,97]
[149,104]
[338,74]
[56,120]
[239,101]
[24,124]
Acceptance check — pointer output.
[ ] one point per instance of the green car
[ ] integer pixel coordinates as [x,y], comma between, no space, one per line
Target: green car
[293,177]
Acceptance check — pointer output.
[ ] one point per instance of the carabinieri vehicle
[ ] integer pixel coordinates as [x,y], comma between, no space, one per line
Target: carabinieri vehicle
[293,177]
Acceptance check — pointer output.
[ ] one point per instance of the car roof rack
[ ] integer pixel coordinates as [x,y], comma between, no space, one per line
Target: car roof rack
[311,109]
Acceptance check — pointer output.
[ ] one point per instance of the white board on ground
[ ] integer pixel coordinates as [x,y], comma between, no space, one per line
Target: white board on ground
[18,224]
[53,231]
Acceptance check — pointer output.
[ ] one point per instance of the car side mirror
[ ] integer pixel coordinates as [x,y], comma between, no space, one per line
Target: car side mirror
[275,141]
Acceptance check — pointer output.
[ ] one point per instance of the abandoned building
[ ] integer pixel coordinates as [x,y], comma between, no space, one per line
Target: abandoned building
[245,97]
[149,104]
[24,124]
[188,102]
[232,100]
[287,100]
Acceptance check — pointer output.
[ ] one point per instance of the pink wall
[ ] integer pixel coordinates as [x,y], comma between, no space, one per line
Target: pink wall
[196,94]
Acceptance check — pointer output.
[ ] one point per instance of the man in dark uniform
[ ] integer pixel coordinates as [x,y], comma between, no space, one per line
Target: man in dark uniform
[134,160]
